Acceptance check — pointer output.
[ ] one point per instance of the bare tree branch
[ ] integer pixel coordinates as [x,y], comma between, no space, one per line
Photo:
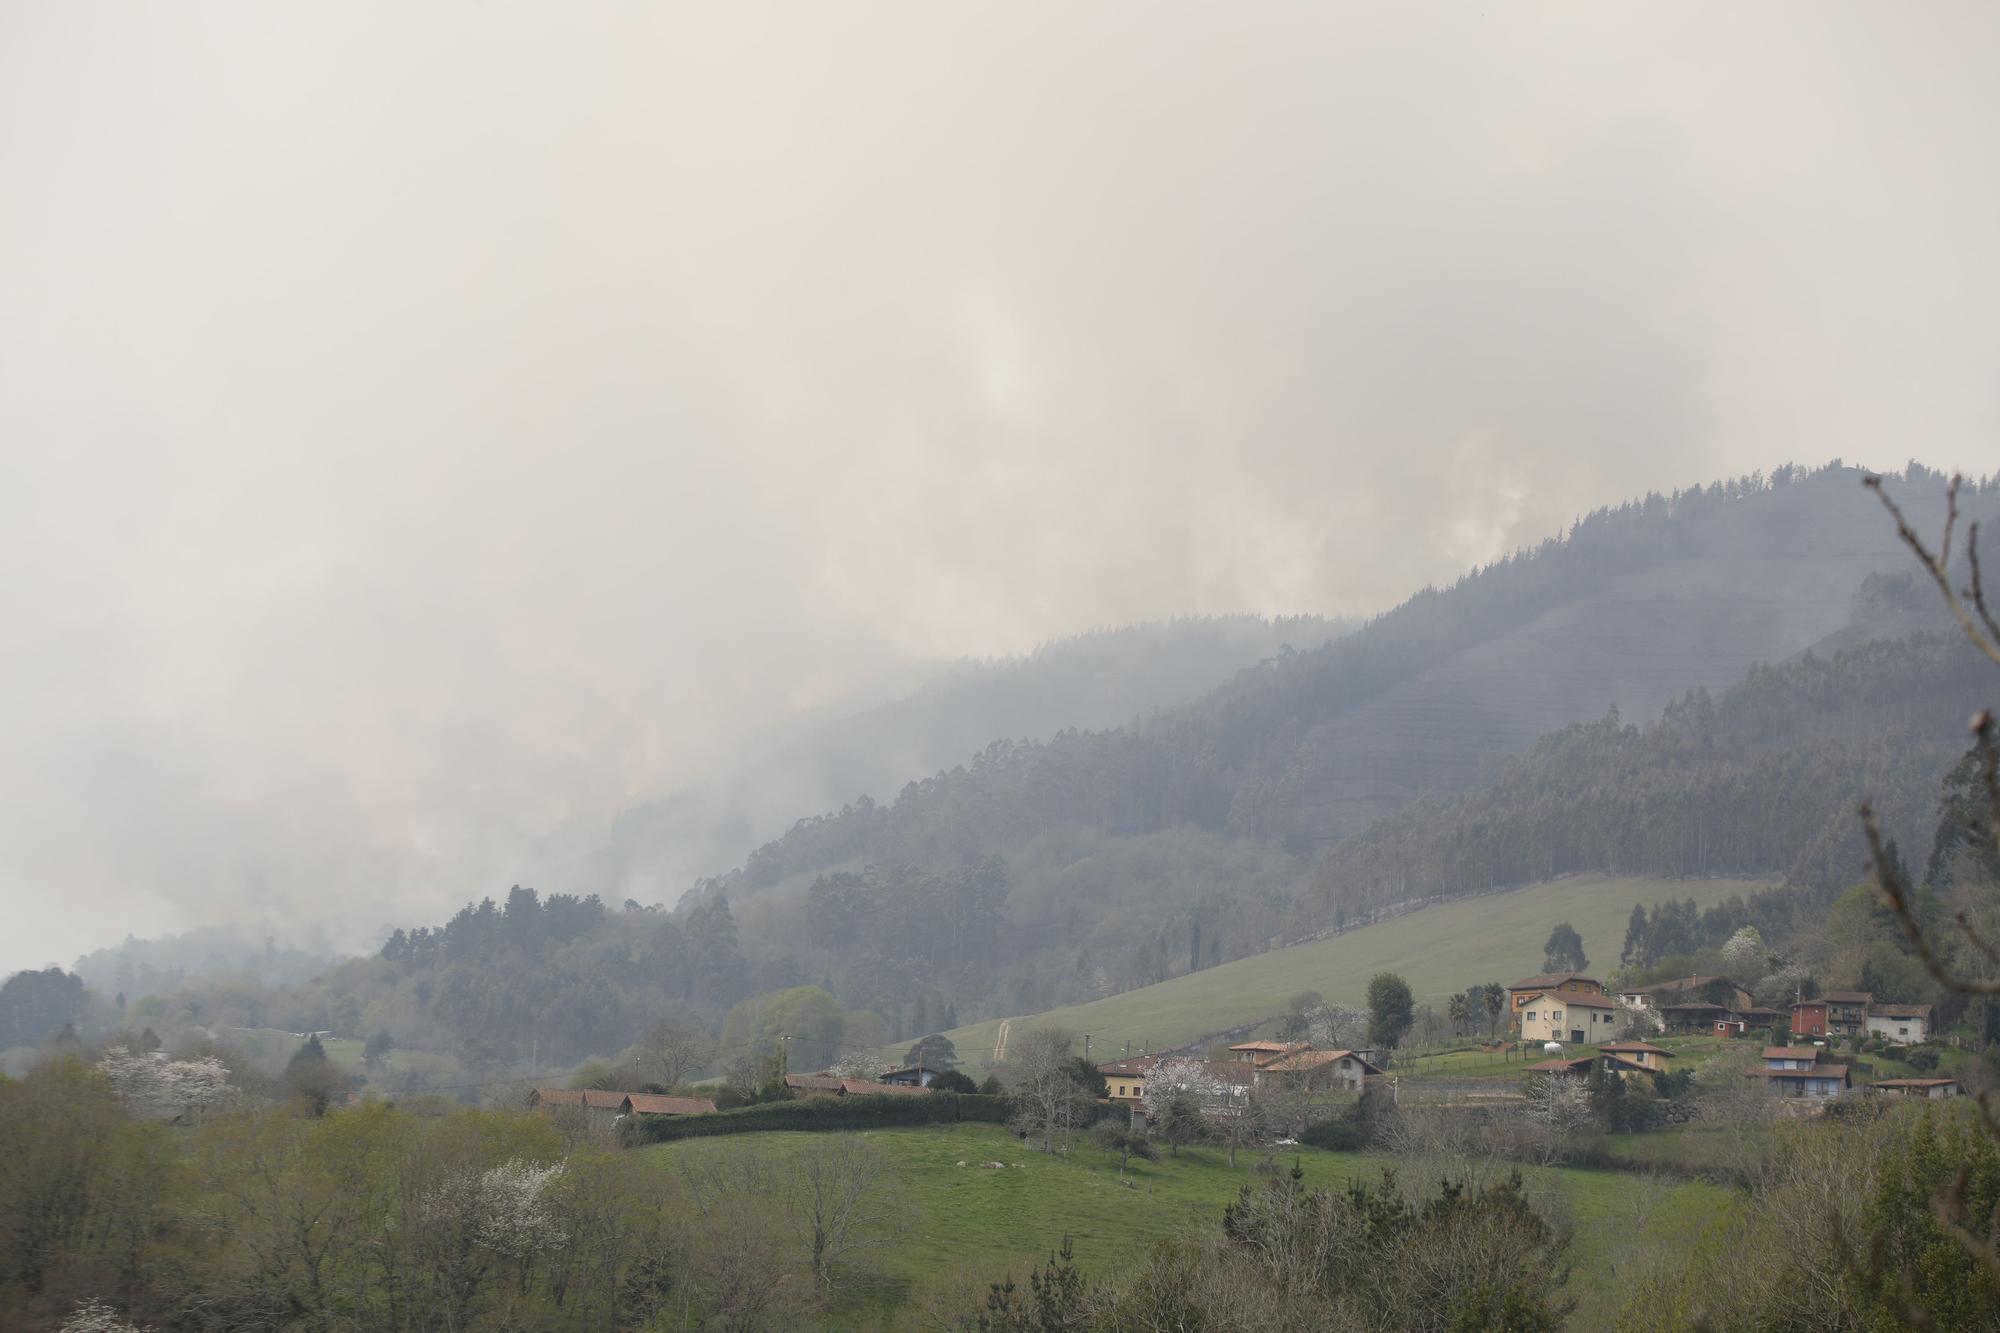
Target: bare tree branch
[1937,564]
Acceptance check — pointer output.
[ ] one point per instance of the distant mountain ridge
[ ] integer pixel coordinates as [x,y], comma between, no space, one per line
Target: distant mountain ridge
[1095,680]
[1633,607]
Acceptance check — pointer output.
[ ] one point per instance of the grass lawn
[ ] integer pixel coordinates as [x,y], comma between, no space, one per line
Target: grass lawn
[975,1224]
[1437,950]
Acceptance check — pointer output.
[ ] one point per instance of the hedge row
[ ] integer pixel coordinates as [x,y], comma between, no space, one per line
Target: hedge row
[809,1113]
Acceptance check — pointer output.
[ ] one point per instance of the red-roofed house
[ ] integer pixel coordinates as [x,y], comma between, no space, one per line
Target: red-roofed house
[1316,1070]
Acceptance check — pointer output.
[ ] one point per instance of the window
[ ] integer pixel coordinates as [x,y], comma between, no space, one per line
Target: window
[1531,1015]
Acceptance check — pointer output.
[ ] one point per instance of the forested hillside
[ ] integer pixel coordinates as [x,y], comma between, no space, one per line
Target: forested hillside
[1763,778]
[1091,681]
[1634,607]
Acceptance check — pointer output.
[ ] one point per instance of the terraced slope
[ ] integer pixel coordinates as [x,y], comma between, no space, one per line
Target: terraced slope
[1438,950]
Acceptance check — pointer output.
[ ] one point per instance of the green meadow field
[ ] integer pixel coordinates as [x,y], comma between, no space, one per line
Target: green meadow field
[970,1225]
[1438,950]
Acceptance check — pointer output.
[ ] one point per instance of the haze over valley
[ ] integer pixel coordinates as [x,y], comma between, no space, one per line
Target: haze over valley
[894,667]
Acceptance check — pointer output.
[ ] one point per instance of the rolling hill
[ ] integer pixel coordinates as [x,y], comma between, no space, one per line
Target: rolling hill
[1497,937]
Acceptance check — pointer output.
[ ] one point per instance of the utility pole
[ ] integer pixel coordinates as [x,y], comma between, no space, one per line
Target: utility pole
[1086,1048]
[784,1054]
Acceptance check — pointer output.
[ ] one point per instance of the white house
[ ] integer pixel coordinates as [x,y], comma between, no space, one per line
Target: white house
[1900,1024]
[1569,1016]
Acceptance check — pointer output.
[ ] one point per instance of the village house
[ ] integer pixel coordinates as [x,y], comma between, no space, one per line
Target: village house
[867,1087]
[1846,1010]
[1528,990]
[1816,1081]
[1790,1057]
[917,1076]
[1900,1024]
[814,1085]
[1691,1016]
[1126,1079]
[1810,1019]
[1317,1071]
[1572,1016]
[1255,1052]
[598,1108]
[1642,1054]
[1927,1088]
[1624,1065]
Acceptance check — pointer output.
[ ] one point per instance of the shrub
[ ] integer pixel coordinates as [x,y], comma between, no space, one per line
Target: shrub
[1921,1057]
[1341,1134]
[952,1080]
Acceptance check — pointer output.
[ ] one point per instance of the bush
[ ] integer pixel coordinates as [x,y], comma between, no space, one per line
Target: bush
[824,1113]
[952,1080]
[1921,1057]
[1340,1134]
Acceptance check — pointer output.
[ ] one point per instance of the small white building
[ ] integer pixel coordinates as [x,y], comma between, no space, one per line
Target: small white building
[1900,1024]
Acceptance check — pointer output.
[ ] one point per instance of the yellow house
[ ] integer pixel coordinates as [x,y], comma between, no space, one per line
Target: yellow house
[1570,1016]
[1126,1079]
[1529,989]
[1644,1054]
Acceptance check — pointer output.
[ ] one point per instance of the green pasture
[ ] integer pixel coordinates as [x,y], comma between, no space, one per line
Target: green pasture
[1438,950]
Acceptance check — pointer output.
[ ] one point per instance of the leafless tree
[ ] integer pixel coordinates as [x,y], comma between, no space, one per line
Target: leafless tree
[839,1200]
[1978,975]
[669,1052]
[1049,1104]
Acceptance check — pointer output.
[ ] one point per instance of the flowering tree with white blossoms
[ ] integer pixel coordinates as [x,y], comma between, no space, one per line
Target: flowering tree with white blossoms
[153,1086]
[515,1214]
[94,1316]
[1179,1076]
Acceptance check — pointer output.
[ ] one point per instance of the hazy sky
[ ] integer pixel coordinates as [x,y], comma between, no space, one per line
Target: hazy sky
[426,426]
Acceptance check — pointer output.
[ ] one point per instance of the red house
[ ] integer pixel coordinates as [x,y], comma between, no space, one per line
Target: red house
[1810,1019]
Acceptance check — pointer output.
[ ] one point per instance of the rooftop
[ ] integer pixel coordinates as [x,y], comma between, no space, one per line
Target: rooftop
[862,1087]
[648,1103]
[1550,979]
[595,1098]
[1300,1061]
[1914,1083]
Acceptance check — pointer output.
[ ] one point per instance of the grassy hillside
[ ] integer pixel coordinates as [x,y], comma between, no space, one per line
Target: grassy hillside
[970,1225]
[1438,950]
